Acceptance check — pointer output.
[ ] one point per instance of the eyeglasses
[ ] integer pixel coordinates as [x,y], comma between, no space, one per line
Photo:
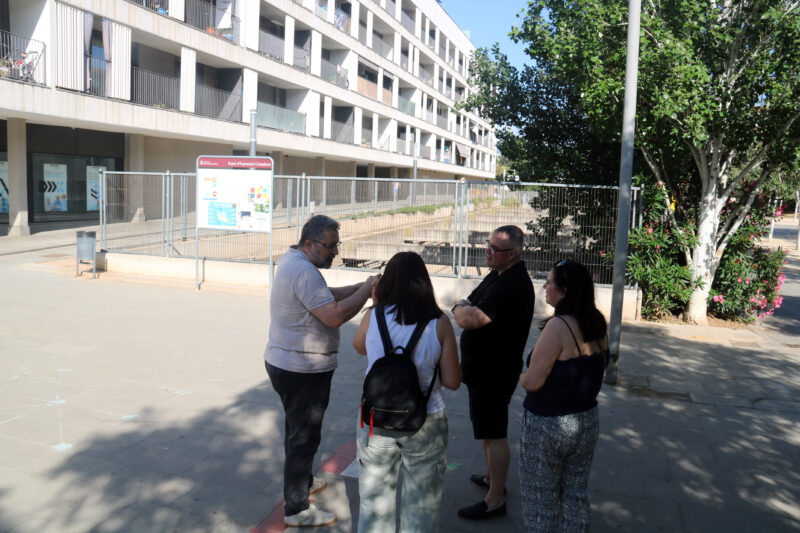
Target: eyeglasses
[333,246]
[495,250]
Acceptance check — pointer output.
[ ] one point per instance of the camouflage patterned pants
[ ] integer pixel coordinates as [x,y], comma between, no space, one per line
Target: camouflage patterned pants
[555,461]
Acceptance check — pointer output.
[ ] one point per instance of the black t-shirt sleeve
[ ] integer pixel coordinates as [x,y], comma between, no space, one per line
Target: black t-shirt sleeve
[502,295]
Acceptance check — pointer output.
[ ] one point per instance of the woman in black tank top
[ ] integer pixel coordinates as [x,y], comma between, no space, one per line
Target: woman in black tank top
[560,423]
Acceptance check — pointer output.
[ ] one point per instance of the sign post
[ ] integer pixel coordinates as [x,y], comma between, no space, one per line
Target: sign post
[234,193]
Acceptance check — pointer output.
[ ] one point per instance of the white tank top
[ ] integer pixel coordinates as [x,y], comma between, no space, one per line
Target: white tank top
[426,354]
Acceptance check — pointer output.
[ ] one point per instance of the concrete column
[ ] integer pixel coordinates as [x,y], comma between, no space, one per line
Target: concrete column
[370,170]
[17,178]
[249,93]
[331,11]
[355,9]
[353,168]
[435,111]
[357,118]
[436,37]
[407,147]
[288,40]
[410,67]
[319,166]
[398,48]
[432,146]
[424,107]
[418,23]
[188,79]
[310,5]
[446,50]
[350,63]
[396,92]
[278,158]
[134,162]
[316,53]
[398,10]
[370,23]
[177,10]
[327,116]
[380,85]
[415,62]
[427,29]
[436,76]
[310,107]
[376,124]
[393,172]
[393,135]
[249,15]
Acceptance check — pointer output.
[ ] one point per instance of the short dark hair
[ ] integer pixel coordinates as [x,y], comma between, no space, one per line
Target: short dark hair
[578,301]
[314,229]
[406,285]
[515,235]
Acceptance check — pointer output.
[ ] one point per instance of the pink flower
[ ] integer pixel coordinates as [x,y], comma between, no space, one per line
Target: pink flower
[719,298]
[747,281]
[739,280]
[649,230]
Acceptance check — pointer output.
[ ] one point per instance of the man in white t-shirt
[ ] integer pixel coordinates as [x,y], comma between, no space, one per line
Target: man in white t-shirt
[300,357]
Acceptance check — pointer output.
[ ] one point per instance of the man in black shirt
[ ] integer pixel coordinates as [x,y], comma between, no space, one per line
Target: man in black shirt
[496,319]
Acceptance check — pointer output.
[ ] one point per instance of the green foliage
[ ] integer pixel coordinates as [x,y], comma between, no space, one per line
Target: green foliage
[657,264]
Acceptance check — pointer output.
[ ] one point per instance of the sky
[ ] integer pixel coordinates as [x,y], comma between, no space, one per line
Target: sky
[489,21]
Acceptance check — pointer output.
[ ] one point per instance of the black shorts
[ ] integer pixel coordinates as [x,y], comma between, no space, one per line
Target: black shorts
[488,410]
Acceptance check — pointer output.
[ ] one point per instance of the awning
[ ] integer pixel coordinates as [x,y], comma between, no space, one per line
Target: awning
[462,150]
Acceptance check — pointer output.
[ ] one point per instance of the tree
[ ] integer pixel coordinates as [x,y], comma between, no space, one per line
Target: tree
[718,111]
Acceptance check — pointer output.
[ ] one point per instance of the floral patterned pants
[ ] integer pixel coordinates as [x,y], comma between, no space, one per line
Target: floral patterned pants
[555,461]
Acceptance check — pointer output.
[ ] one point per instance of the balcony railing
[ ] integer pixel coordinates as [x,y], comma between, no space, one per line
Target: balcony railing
[404,61]
[442,52]
[368,88]
[280,118]
[406,106]
[425,151]
[362,34]
[390,7]
[159,6]
[425,76]
[342,131]
[441,121]
[302,59]
[407,21]
[206,16]
[270,45]
[321,9]
[22,58]
[382,47]
[334,73]
[342,21]
[97,70]
[366,137]
[153,89]
[215,103]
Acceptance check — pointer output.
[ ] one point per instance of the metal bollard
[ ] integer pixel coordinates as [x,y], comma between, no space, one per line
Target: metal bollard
[86,246]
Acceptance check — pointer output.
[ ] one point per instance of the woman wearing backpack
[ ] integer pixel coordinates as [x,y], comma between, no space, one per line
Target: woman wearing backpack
[405,296]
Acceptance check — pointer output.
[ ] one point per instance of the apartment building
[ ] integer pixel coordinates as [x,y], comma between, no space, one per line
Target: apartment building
[339,87]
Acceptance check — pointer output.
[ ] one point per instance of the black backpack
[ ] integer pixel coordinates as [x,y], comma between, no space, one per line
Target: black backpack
[392,398]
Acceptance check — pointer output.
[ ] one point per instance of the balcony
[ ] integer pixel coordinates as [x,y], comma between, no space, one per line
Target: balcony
[442,52]
[424,151]
[321,9]
[334,73]
[97,70]
[390,7]
[406,106]
[280,118]
[270,45]
[206,16]
[380,46]
[441,121]
[159,6]
[425,76]
[216,103]
[342,131]
[21,58]
[342,21]
[407,21]
[366,136]
[302,59]
[368,88]
[153,89]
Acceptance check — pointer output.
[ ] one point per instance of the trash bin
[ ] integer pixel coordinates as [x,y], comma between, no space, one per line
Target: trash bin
[87,241]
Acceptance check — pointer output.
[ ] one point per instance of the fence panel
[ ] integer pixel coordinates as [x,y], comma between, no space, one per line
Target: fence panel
[446,222]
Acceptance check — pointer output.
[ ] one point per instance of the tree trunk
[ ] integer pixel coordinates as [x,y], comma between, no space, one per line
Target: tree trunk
[703,260]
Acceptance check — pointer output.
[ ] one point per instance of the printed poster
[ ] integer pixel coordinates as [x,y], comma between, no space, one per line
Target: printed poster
[3,186]
[234,193]
[55,187]
[93,187]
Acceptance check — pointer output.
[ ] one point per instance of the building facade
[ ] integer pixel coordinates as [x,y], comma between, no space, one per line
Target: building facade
[340,88]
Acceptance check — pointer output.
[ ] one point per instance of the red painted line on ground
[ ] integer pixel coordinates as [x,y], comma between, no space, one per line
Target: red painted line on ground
[334,464]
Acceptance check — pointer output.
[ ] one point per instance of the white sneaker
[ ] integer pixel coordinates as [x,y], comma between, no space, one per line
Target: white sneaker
[318,485]
[311,517]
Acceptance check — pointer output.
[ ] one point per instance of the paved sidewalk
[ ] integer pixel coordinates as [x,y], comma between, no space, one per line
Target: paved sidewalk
[132,405]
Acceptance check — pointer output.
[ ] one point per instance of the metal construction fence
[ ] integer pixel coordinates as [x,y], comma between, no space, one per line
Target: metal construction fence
[447,222]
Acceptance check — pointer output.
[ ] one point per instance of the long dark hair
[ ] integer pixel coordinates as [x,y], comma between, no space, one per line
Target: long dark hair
[578,301]
[406,285]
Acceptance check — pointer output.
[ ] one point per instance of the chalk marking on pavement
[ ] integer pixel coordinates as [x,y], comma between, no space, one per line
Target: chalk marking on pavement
[339,461]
